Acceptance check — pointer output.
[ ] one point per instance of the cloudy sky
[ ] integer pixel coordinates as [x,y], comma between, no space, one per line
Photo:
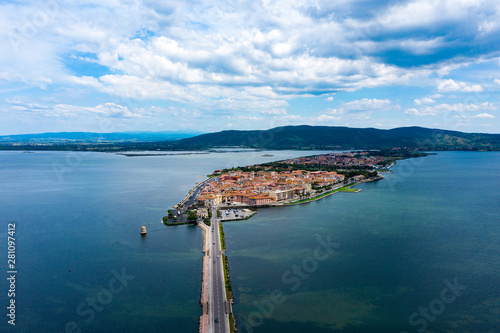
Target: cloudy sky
[106,66]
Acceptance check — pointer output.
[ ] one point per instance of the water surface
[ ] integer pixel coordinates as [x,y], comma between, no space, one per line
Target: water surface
[432,219]
[83,212]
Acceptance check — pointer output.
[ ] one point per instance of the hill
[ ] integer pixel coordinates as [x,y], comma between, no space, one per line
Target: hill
[286,137]
[315,137]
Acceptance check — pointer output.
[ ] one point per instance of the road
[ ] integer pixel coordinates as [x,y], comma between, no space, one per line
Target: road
[181,217]
[218,291]
[194,195]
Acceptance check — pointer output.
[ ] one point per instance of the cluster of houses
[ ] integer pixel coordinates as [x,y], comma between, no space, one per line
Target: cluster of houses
[339,160]
[264,187]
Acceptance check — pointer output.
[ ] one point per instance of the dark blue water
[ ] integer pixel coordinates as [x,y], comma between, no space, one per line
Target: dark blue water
[401,242]
[83,212]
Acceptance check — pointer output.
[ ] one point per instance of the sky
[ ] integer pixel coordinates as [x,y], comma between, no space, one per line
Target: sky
[112,66]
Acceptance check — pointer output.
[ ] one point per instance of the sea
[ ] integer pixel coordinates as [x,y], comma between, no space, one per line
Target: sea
[418,251]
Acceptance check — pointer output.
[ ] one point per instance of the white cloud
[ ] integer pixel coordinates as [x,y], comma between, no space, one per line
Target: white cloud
[363,105]
[421,47]
[171,46]
[19,105]
[414,112]
[450,85]
[424,100]
[231,57]
[326,117]
[484,116]
[450,108]
[422,13]
[110,110]
[497,81]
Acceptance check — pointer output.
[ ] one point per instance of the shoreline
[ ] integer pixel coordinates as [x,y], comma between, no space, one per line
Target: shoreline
[323,195]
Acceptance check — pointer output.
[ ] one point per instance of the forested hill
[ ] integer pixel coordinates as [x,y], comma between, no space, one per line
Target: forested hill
[344,137]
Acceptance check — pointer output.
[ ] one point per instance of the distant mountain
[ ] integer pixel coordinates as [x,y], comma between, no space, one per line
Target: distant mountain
[343,137]
[91,137]
[287,137]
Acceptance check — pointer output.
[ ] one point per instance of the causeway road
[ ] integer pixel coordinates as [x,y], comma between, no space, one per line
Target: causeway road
[218,303]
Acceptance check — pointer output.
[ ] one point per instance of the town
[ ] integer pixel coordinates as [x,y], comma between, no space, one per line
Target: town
[263,185]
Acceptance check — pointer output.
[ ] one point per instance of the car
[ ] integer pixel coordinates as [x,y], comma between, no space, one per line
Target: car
[214,242]
[216,320]
[217,256]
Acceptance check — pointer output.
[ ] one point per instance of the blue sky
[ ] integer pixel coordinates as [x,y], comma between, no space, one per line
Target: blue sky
[208,66]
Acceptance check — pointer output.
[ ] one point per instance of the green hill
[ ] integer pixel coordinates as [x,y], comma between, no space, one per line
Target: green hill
[344,137]
[286,137]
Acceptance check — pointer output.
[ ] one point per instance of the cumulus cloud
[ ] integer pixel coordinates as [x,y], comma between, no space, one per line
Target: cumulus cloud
[451,85]
[298,45]
[243,57]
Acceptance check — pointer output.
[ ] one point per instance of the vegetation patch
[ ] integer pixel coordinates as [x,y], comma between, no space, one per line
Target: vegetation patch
[232,323]
[222,238]
[348,189]
[229,292]
[168,222]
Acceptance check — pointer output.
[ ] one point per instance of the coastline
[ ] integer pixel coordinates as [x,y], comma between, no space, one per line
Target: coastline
[322,195]
[344,189]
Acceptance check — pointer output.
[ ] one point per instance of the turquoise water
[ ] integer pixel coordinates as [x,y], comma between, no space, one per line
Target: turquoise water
[83,212]
[433,219]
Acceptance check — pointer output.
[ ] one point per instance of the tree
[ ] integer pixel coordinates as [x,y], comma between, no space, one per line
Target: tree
[191,215]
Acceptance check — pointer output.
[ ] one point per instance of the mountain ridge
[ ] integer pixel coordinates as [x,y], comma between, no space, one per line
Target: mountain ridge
[303,136]
[284,137]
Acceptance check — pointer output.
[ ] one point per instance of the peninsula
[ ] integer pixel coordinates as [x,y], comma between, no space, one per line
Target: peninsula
[285,182]
[233,194]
